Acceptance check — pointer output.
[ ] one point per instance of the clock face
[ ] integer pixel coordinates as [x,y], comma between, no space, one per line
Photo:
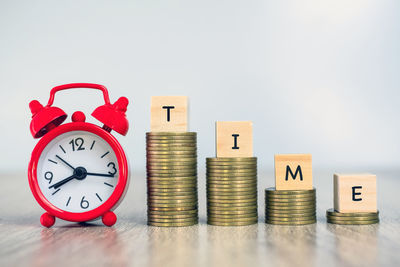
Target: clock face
[77,171]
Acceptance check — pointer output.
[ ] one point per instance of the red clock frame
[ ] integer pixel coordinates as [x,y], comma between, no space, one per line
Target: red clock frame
[105,209]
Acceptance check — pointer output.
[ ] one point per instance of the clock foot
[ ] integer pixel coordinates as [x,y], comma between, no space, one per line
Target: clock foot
[109,218]
[47,220]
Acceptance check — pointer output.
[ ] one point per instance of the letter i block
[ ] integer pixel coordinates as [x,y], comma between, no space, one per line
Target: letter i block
[169,114]
[234,138]
[293,172]
[354,192]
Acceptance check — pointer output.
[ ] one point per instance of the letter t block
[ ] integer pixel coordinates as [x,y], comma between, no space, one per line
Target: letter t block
[354,192]
[169,114]
[293,172]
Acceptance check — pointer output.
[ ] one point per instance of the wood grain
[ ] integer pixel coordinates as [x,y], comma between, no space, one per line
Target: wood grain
[293,172]
[365,193]
[169,114]
[234,139]
[24,242]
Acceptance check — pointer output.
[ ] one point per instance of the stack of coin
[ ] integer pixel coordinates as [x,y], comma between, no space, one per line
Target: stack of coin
[290,207]
[355,218]
[232,191]
[172,178]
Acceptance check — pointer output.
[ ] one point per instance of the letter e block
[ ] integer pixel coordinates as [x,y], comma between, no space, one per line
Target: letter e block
[234,139]
[293,172]
[169,114]
[354,192]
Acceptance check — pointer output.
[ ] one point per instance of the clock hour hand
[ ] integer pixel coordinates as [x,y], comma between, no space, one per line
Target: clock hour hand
[66,163]
[62,182]
[100,174]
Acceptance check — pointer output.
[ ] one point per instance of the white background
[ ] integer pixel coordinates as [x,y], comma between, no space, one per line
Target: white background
[314,76]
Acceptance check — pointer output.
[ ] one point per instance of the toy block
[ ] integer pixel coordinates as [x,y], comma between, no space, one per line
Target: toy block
[354,192]
[293,172]
[169,114]
[234,139]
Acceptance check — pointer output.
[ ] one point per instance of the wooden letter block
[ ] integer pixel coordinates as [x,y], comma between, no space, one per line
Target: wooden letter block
[293,172]
[354,192]
[234,139]
[169,114]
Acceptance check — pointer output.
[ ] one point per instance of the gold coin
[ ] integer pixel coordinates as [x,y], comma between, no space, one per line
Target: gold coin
[332,212]
[160,220]
[171,196]
[232,201]
[168,167]
[240,159]
[172,149]
[157,224]
[291,223]
[172,134]
[354,222]
[158,212]
[233,196]
[163,144]
[290,204]
[232,217]
[166,143]
[233,183]
[227,184]
[228,213]
[169,184]
[238,171]
[233,206]
[232,223]
[273,191]
[177,205]
[228,188]
[169,153]
[172,168]
[233,179]
[173,139]
[290,215]
[172,190]
[222,220]
[184,178]
[231,168]
[172,209]
[237,176]
[171,173]
[292,208]
[155,201]
[293,219]
[173,215]
[284,202]
[232,187]
[333,218]
[170,144]
[227,164]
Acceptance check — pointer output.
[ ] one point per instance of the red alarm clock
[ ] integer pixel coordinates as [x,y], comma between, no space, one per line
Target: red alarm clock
[78,171]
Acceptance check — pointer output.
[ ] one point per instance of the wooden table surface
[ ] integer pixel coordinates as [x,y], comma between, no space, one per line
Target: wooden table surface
[24,242]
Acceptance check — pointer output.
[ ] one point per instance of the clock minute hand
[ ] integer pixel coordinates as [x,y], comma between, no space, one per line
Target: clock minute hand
[66,163]
[62,182]
[100,174]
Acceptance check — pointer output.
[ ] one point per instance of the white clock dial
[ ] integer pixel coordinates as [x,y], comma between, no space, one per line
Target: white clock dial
[77,171]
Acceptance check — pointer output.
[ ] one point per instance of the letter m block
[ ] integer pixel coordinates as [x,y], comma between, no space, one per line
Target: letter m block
[293,172]
[354,192]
